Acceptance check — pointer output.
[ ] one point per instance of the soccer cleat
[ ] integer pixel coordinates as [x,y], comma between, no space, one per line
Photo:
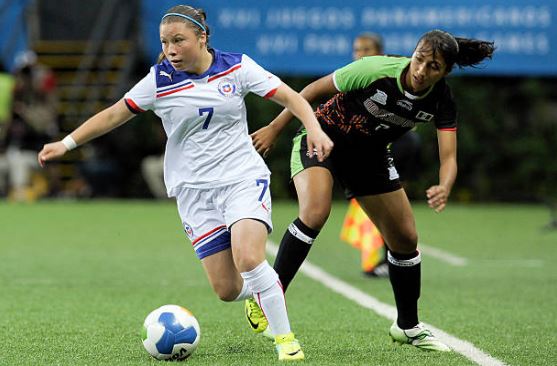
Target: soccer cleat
[288,348]
[418,336]
[381,271]
[254,314]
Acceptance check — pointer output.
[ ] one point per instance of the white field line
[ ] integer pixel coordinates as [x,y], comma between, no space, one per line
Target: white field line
[442,255]
[457,261]
[465,348]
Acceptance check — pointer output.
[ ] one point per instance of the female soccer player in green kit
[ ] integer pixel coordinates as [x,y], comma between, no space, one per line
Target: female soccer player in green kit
[376,100]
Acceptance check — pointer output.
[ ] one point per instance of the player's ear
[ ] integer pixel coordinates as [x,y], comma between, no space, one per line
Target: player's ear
[203,39]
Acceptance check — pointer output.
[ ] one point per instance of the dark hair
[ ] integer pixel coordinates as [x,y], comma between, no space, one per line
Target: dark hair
[460,51]
[198,14]
[373,37]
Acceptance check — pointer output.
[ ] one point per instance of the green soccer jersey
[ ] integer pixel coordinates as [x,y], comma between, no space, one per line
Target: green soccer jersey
[372,103]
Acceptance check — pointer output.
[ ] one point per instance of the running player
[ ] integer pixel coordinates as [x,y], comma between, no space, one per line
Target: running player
[358,230]
[378,99]
[220,182]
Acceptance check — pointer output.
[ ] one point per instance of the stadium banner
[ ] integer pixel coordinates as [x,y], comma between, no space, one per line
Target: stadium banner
[13,32]
[314,37]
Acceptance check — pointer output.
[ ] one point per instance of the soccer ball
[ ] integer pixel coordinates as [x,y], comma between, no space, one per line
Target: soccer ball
[170,332]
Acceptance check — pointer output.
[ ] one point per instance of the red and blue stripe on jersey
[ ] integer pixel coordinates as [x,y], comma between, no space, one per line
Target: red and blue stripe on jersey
[169,80]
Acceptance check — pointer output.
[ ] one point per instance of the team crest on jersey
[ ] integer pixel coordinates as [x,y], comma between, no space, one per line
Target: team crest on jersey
[404,104]
[227,88]
[164,73]
[423,116]
[380,97]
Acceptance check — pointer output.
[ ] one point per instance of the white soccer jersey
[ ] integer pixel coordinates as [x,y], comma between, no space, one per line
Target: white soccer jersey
[204,117]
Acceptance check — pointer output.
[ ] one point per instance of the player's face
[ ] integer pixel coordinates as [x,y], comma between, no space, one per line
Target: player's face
[364,47]
[426,68]
[181,45]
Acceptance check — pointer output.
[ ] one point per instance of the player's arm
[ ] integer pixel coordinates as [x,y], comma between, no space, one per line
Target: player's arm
[438,195]
[264,138]
[98,125]
[318,142]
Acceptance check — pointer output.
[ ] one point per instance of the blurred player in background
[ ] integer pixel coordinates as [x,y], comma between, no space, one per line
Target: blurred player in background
[220,183]
[377,100]
[367,44]
[32,123]
[7,83]
[357,229]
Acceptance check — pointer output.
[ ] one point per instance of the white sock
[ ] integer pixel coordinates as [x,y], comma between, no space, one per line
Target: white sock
[245,293]
[264,282]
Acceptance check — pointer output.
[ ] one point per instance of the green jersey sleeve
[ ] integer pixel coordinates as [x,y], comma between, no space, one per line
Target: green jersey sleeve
[361,73]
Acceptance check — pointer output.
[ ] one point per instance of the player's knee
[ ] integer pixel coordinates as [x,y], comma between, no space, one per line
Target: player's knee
[408,242]
[247,260]
[403,242]
[315,216]
[225,291]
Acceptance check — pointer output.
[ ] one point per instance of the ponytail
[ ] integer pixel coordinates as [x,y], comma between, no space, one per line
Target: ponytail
[472,51]
[460,51]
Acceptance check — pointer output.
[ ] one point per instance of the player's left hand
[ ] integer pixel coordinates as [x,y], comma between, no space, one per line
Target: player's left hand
[437,197]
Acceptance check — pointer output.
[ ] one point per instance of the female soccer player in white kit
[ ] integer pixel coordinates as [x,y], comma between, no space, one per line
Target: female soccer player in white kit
[220,182]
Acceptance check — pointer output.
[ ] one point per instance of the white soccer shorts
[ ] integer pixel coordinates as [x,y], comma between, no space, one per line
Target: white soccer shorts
[207,214]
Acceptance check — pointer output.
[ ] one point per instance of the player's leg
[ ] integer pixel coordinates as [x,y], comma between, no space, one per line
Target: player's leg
[247,208]
[206,228]
[314,190]
[228,284]
[248,245]
[224,277]
[392,214]
[314,183]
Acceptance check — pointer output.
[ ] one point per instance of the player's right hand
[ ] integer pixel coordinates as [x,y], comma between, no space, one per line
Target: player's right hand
[319,144]
[51,151]
[264,139]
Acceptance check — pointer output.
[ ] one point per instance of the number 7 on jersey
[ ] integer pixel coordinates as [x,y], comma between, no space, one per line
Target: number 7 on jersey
[209,112]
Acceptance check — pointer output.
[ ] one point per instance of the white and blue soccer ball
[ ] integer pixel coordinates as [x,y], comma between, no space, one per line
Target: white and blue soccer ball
[171,332]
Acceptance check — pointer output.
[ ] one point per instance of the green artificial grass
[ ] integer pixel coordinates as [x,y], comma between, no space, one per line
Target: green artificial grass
[78,278]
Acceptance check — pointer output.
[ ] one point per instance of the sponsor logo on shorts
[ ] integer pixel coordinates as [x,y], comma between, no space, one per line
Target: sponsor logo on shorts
[264,207]
[393,174]
[188,230]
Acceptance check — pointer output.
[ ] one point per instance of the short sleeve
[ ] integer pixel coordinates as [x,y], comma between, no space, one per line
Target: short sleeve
[257,80]
[446,111]
[141,96]
[361,73]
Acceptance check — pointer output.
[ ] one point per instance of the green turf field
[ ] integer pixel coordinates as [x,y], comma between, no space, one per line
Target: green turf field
[77,280]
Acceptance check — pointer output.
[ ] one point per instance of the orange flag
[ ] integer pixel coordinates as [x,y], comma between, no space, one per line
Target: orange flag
[360,232]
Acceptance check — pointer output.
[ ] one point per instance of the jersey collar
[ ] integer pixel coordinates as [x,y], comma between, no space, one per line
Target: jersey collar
[408,95]
[211,70]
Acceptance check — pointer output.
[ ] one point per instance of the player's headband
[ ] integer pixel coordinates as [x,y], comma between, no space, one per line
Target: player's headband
[186,17]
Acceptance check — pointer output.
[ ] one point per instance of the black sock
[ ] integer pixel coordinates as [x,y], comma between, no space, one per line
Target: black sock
[405,275]
[294,248]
